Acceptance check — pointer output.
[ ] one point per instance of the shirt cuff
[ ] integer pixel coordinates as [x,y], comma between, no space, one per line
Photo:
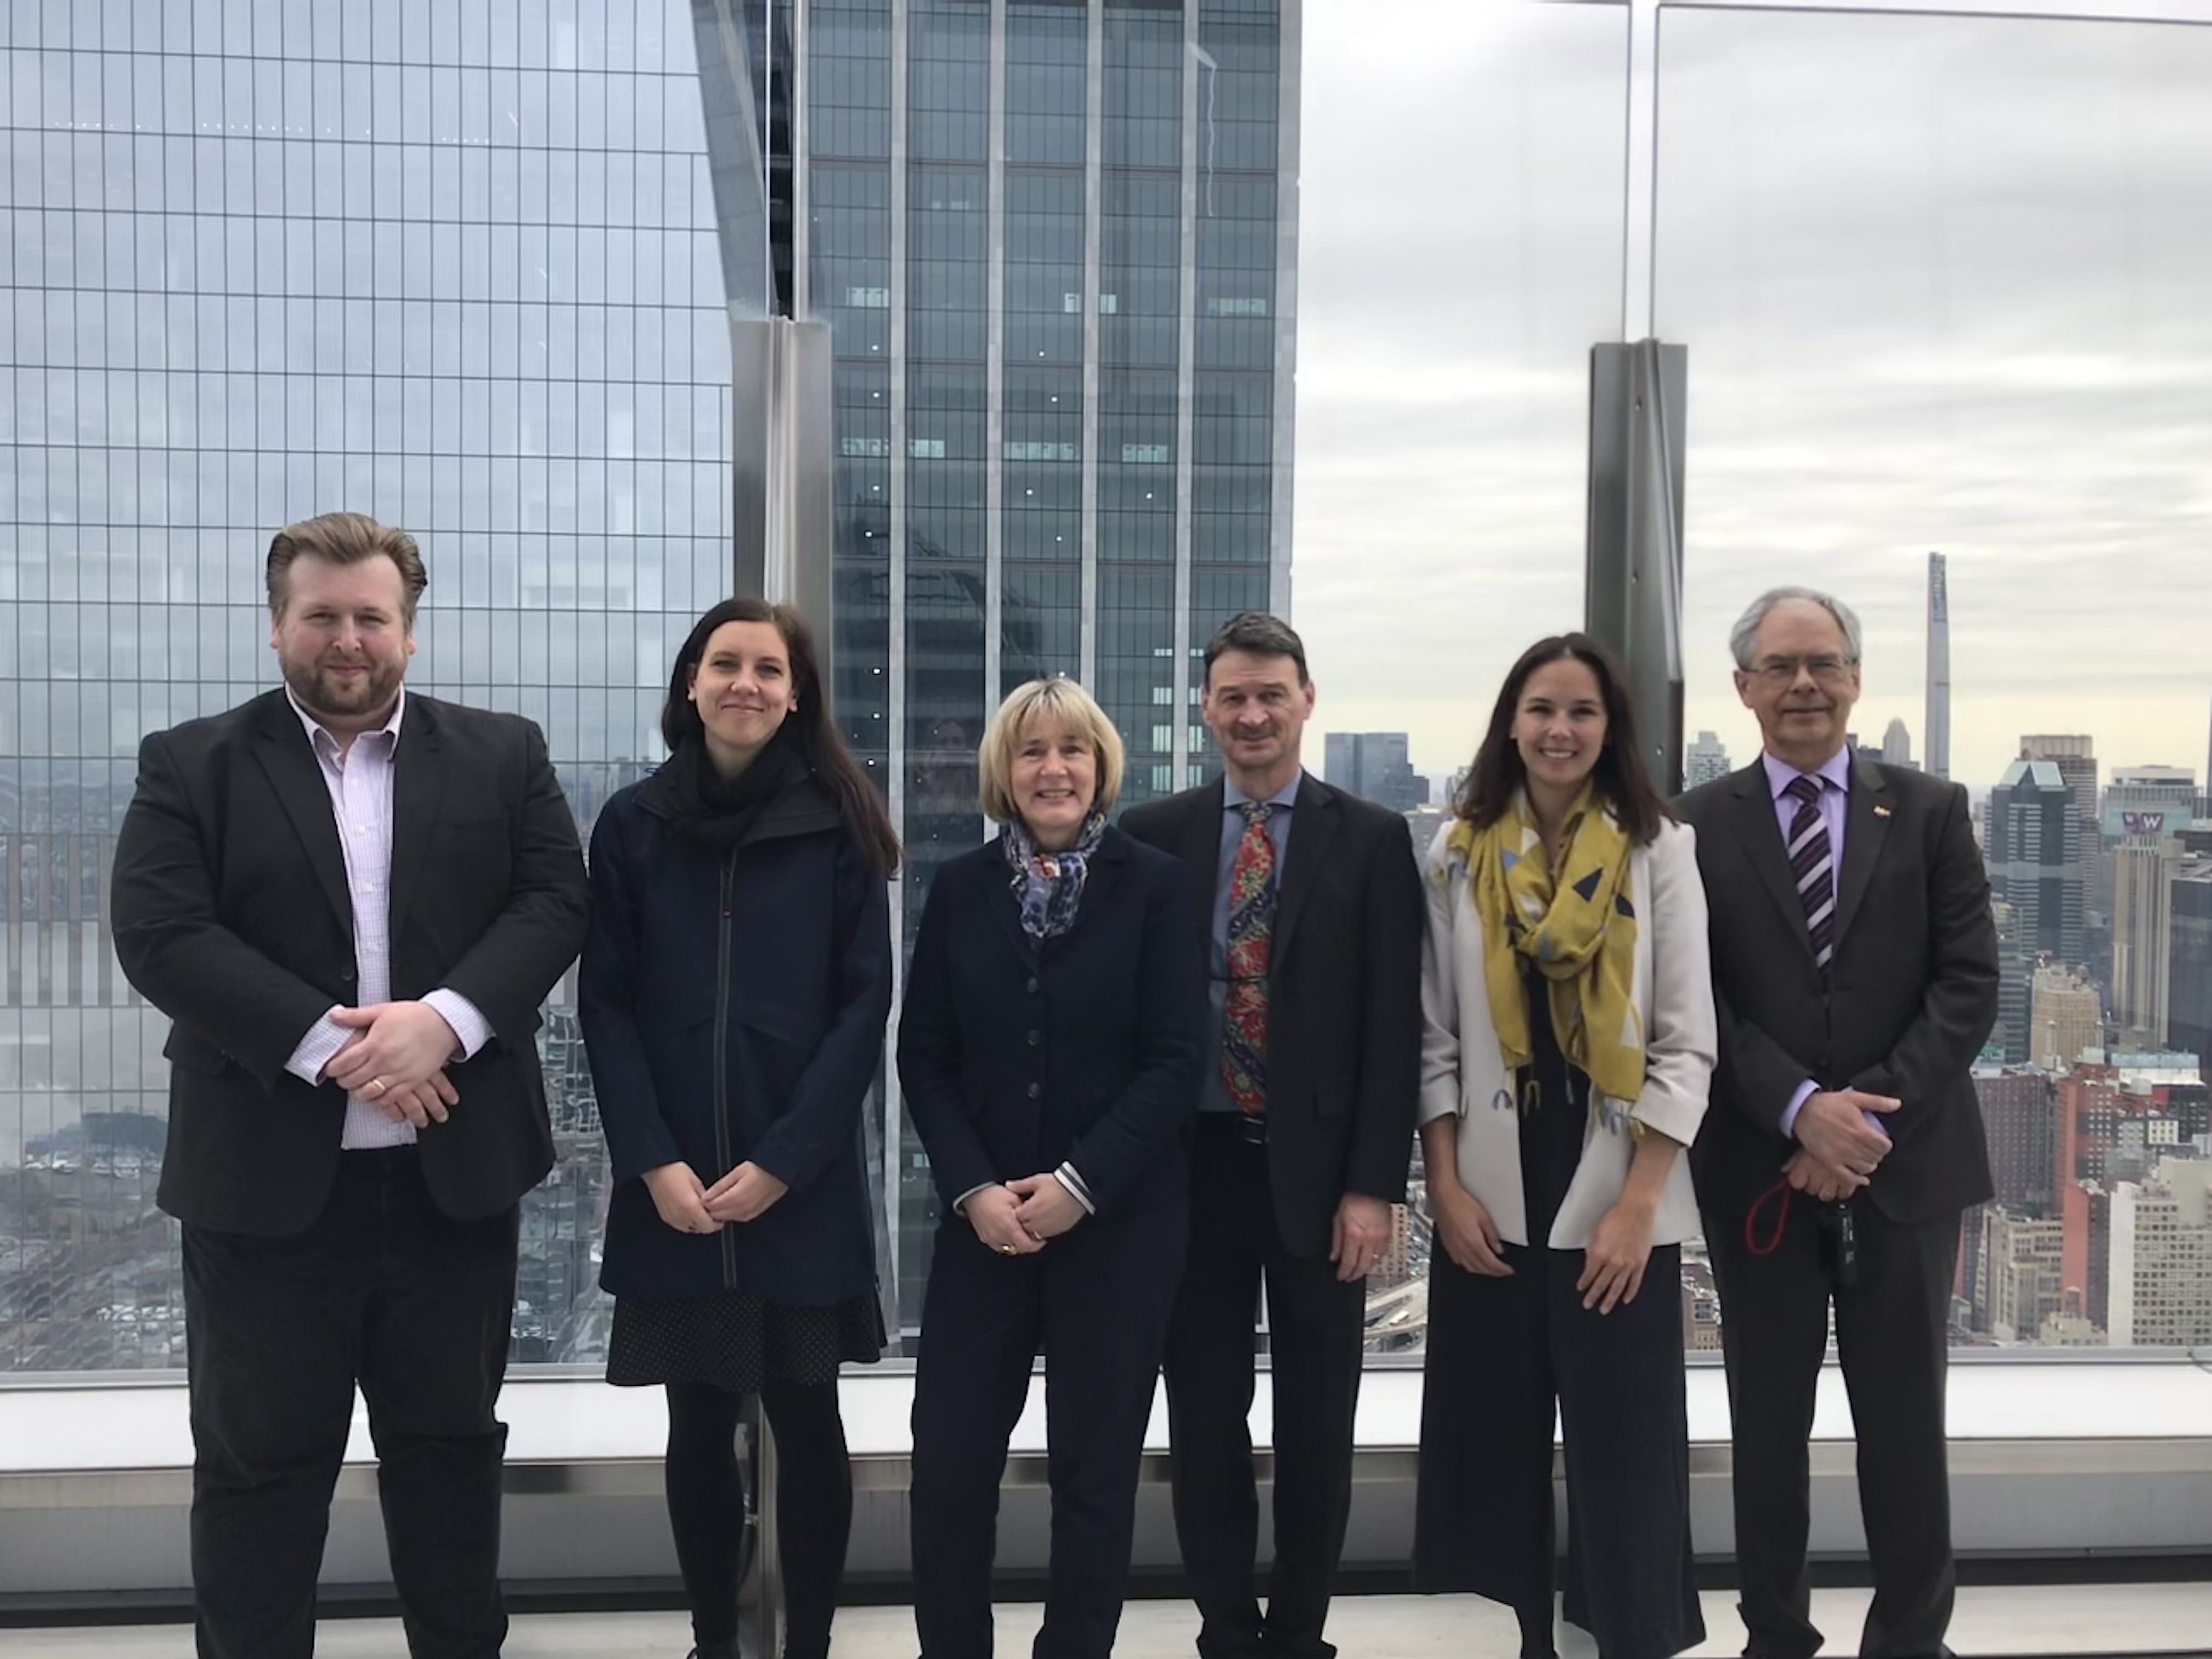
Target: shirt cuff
[960,1204]
[1068,1176]
[473,1029]
[317,1050]
[1805,1090]
[1874,1123]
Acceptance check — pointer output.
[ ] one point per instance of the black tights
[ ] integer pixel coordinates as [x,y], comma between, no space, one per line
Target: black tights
[813,1505]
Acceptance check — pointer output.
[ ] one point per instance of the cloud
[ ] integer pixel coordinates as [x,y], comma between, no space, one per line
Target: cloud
[1942,281]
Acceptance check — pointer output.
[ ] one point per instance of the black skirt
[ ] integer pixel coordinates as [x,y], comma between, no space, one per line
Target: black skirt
[737,1342]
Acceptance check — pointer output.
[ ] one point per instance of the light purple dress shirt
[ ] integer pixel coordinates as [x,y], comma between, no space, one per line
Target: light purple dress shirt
[359,779]
[1835,802]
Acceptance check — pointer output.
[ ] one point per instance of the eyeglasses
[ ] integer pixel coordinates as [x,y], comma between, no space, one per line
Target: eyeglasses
[1783,670]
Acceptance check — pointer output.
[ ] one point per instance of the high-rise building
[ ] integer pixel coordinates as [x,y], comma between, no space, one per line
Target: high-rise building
[2074,755]
[1938,718]
[2148,800]
[2031,841]
[436,263]
[1705,760]
[2020,1282]
[2161,1258]
[1897,744]
[2020,1120]
[2189,977]
[1376,766]
[2143,870]
[1055,246]
[2066,1018]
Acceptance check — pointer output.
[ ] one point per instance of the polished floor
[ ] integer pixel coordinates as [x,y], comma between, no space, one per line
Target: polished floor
[1993,1624]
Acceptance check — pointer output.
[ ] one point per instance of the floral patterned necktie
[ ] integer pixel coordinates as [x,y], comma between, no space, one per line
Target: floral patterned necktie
[1251,933]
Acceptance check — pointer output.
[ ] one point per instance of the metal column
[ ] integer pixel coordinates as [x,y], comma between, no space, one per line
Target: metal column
[1634,575]
[780,444]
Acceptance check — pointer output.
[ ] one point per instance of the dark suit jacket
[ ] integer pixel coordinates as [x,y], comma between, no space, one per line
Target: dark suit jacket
[1344,993]
[1910,996]
[1087,1049]
[232,916]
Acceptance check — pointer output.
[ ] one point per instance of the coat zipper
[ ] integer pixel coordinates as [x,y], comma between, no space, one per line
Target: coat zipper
[727,1235]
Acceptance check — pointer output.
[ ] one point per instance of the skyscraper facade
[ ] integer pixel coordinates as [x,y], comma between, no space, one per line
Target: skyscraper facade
[2189,979]
[1938,718]
[2066,1018]
[1376,766]
[1705,760]
[2143,869]
[1896,744]
[2031,840]
[1055,246]
[452,265]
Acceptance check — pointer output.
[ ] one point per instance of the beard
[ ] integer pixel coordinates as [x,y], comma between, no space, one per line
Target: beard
[325,696]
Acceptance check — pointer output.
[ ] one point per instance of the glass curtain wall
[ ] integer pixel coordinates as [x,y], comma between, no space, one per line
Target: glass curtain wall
[453,264]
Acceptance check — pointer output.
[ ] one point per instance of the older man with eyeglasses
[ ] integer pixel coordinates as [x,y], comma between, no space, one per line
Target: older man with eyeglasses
[1854,973]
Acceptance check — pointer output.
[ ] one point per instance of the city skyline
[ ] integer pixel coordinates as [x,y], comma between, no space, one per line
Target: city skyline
[1891,349]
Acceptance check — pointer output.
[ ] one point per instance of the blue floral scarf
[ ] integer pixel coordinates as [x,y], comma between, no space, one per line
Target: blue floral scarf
[1048,886]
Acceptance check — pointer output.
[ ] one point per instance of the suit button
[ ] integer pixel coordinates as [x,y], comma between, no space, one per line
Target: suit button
[1033,988]
[347,976]
[1036,1037]
[1036,1090]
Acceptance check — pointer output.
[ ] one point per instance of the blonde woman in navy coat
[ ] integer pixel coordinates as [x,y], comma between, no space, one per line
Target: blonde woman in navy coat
[1051,1050]
[734,991]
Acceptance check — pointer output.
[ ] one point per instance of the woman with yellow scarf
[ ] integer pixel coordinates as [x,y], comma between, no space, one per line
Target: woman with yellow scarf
[1568,1046]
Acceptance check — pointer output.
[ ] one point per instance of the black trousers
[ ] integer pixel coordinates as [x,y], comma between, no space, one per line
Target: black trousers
[385,1291]
[1501,1352]
[1891,1325]
[813,1505]
[1095,1301]
[1316,1326]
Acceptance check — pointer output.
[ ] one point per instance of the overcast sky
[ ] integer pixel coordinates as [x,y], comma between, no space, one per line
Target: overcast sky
[1945,283]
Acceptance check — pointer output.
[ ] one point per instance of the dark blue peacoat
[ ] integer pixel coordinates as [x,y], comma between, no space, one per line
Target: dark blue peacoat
[733,1008]
[1088,1048]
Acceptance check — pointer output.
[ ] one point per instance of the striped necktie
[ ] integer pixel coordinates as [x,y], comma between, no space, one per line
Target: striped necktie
[1813,865]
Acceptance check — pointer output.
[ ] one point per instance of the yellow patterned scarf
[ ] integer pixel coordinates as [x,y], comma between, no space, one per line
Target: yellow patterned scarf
[1579,932]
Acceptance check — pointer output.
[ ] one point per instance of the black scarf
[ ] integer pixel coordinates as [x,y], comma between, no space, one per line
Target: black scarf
[719,813]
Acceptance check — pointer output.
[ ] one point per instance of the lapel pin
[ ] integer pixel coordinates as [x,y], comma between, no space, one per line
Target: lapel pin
[1882,811]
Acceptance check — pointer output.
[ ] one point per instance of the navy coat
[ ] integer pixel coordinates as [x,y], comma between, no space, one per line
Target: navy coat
[733,1008]
[1086,1049]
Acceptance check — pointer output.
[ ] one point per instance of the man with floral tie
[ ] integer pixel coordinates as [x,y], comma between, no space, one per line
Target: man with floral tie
[1302,1137]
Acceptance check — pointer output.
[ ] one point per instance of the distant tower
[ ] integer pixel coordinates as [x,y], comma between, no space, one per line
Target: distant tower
[1939,668]
[1897,744]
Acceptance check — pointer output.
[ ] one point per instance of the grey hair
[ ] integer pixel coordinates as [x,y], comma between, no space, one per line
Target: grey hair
[1745,634]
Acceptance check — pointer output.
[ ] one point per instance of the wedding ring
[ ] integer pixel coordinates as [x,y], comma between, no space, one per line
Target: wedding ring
[379,1086]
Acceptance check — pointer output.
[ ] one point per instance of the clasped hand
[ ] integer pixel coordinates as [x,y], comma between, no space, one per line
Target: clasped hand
[689,1206]
[1840,1147]
[1020,1217]
[395,1059]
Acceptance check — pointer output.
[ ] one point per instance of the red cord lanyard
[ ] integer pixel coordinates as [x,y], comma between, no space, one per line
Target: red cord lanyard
[1773,1242]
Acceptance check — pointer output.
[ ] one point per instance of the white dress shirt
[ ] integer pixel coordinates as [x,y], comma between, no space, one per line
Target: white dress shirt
[359,779]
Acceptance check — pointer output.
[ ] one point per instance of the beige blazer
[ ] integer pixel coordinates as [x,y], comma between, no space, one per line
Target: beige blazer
[1463,1073]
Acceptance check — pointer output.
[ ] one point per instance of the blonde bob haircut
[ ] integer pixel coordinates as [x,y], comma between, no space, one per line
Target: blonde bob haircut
[1058,703]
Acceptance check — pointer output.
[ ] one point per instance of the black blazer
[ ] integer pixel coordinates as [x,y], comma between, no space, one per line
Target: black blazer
[1088,1049]
[1344,993]
[1910,997]
[232,916]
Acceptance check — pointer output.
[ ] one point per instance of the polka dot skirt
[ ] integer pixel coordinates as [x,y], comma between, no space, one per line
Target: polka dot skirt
[737,1340]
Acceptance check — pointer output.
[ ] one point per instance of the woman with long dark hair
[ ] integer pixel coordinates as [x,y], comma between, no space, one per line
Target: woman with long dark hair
[734,991]
[1569,1040]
